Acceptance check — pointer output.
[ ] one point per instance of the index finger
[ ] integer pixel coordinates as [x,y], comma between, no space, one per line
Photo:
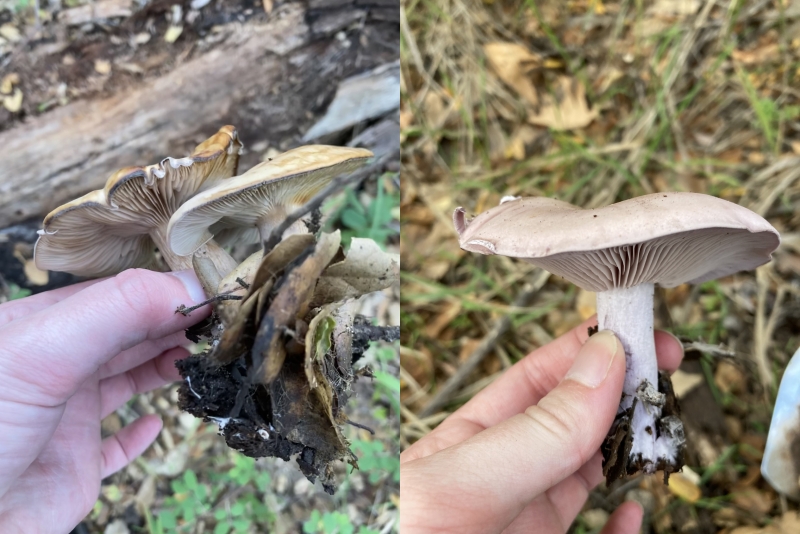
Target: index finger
[47,355]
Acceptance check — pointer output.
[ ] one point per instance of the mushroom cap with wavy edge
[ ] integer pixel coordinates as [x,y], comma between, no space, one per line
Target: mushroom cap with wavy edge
[260,199]
[664,238]
[120,226]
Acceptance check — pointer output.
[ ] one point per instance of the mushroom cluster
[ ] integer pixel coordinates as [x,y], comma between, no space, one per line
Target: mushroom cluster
[278,369]
[179,205]
[621,252]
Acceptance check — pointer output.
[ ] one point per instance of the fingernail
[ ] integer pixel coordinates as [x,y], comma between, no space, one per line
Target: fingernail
[678,341]
[192,284]
[594,359]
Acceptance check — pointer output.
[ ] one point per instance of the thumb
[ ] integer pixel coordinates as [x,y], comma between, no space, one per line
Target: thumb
[627,519]
[571,421]
[525,455]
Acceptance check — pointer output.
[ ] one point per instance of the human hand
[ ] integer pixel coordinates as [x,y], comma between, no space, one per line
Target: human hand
[68,358]
[523,454]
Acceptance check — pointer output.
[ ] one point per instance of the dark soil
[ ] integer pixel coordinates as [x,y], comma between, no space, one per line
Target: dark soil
[246,412]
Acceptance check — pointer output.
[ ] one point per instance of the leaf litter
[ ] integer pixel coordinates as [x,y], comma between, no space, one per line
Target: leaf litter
[279,368]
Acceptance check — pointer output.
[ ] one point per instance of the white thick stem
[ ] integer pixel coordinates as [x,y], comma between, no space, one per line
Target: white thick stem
[628,312]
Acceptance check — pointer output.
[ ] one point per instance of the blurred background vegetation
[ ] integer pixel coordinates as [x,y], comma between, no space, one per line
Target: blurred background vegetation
[594,102]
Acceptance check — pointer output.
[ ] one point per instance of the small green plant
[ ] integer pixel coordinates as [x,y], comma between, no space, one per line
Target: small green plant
[15,292]
[192,500]
[333,523]
[387,385]
[189,499]
[372,221]
[373,458]
[244,472]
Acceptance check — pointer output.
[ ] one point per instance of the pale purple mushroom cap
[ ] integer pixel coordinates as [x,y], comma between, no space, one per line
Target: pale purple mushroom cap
[664,238]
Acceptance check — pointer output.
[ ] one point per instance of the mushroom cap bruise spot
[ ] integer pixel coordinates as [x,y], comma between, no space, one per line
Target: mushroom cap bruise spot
[665,239]
[108,230]
[234,210]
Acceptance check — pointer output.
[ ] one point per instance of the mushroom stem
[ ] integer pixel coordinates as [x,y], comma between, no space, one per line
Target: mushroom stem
[274,218]
[628,312]
[223,261]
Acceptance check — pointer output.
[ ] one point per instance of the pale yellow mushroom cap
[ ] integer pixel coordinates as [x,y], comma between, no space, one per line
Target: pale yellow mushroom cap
[263,196]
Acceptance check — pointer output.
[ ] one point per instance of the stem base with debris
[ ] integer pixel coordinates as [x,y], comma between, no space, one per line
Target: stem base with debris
[647,434]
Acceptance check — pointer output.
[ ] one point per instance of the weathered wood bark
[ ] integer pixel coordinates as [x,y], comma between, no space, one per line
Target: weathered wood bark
[268,80]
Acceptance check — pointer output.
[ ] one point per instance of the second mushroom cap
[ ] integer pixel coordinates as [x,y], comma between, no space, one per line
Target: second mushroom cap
[252,204]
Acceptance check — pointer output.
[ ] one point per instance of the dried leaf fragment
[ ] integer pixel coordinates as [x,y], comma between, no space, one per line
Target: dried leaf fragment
[681,486]
[8,83]
[567,110]
[172,33]
[366,268]
[10,32]
[102,66]
[13,103]
[513,64]
[764,54]
[289,304]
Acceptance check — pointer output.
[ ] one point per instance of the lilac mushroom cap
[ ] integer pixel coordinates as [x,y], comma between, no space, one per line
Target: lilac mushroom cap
[621,252]
[664,238]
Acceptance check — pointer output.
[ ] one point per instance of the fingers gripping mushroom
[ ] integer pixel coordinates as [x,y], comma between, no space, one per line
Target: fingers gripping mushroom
[251,205]
[620,252]
[121,225]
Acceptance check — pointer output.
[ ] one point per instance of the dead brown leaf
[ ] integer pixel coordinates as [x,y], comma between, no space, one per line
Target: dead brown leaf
[290,304]
[513,64]
[366,268]
[8,83]
[586,303]
[763,54]
[729,378]
[418,363]
[35,275]
[102,66]
[681,486]
[567,110]
[445,316]
[102,10]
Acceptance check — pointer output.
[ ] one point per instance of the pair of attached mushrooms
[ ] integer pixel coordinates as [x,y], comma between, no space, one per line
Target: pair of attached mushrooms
[192,205]
[620,252]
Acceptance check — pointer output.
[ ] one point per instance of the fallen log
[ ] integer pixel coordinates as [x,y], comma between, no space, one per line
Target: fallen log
[263,79]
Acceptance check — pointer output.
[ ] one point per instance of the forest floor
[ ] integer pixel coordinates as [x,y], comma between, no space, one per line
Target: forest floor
[594,102]
[95,51]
